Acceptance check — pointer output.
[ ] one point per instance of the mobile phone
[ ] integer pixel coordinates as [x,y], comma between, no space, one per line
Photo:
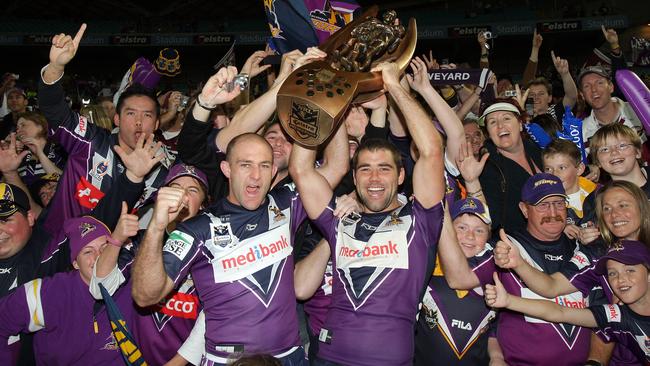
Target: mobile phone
[510,93]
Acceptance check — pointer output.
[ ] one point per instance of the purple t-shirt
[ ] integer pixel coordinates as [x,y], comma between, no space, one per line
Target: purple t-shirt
[381,264]
[242,267]
[520,336]
[61,311]
[624,326]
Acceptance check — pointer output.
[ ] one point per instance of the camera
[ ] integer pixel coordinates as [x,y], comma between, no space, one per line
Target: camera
[510,93]
[241,80]
[487,35]
[185,100]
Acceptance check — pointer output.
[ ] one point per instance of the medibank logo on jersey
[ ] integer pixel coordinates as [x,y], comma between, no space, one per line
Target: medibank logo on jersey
[255,253]
[571,302]
[370,251]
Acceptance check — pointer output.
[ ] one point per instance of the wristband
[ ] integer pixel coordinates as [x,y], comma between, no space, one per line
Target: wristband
[203,105]
[113,241]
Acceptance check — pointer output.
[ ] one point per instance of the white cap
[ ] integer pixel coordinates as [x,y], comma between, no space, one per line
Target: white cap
[496,107]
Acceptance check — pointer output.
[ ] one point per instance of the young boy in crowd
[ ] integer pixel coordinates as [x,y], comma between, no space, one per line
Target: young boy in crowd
[626,268]
[562,158]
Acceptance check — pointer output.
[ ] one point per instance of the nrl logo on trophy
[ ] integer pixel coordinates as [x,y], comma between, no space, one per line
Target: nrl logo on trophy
[304,120]
[314,98]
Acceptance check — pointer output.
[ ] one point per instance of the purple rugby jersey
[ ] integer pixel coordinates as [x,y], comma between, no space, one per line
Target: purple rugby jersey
[529,341]
[381,263]
[61,311]
[242,268]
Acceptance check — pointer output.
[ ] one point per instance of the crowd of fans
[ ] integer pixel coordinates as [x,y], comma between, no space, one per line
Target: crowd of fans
[206,225]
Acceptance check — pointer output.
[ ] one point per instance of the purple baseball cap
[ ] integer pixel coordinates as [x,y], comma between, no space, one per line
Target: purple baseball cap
[83,230]
[182,169]
[472,206]
[540,186]
[628,252]
[12,199]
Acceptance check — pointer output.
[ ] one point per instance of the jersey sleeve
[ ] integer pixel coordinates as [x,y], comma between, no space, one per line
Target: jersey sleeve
[179,252]
[327,223]
[608,318]
[22,312]
[584,280]
[72,131]
[483,268]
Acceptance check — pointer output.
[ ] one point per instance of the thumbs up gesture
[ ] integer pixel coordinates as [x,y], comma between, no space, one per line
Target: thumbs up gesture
[496,295]
[506,255]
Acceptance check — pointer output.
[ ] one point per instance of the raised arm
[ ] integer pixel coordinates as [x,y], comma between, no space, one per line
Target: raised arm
[315,191]
[336,159]
[446,116]
[570,89]
[531,66]
[507,256]
[428,183]
[496,296]
[150,281]
[252,117]
[454,264]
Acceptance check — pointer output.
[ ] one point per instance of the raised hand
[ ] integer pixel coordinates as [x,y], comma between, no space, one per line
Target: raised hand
[10,159]
[215,90]
[610,36]
[506,255]
[389,73]
[378,103]
[482,41]
[288,64]
[356,122]
[142,159]
[537,40]
[561,65]
[312,54]
[469,167]
[521,99]
[346,205]
[252,66]
[127,226]
[170,201]
[432,63]
[496,295]
[419,81]
[588,234]
[64,47]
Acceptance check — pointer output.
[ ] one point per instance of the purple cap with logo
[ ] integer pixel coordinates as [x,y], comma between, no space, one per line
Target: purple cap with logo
[83,230]
[470,206]
[540,186]
[628,252]
[182,170]
[12,199]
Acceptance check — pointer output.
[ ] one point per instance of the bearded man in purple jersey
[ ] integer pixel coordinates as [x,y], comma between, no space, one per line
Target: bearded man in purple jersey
[383,257]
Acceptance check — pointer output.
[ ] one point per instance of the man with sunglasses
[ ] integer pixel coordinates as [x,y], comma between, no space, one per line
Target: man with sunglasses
[543,244]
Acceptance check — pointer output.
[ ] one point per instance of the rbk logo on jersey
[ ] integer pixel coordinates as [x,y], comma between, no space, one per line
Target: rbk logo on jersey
[87,194]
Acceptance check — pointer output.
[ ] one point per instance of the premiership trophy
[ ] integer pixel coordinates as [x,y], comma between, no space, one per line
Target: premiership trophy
[315,97]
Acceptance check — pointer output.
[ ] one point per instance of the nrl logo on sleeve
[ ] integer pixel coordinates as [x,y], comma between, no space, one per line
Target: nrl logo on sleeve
[178,244]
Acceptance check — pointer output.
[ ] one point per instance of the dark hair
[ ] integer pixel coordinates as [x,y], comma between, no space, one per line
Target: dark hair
[563,147]
[374,144]
[137,90]
[548,123]
[38,119]
[242,138]
[542,81]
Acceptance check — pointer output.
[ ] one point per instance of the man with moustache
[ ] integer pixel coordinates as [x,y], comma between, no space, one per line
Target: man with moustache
[543,244]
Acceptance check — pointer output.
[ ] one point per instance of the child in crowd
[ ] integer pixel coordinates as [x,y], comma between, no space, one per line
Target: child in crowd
[626,268]
[562,158]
